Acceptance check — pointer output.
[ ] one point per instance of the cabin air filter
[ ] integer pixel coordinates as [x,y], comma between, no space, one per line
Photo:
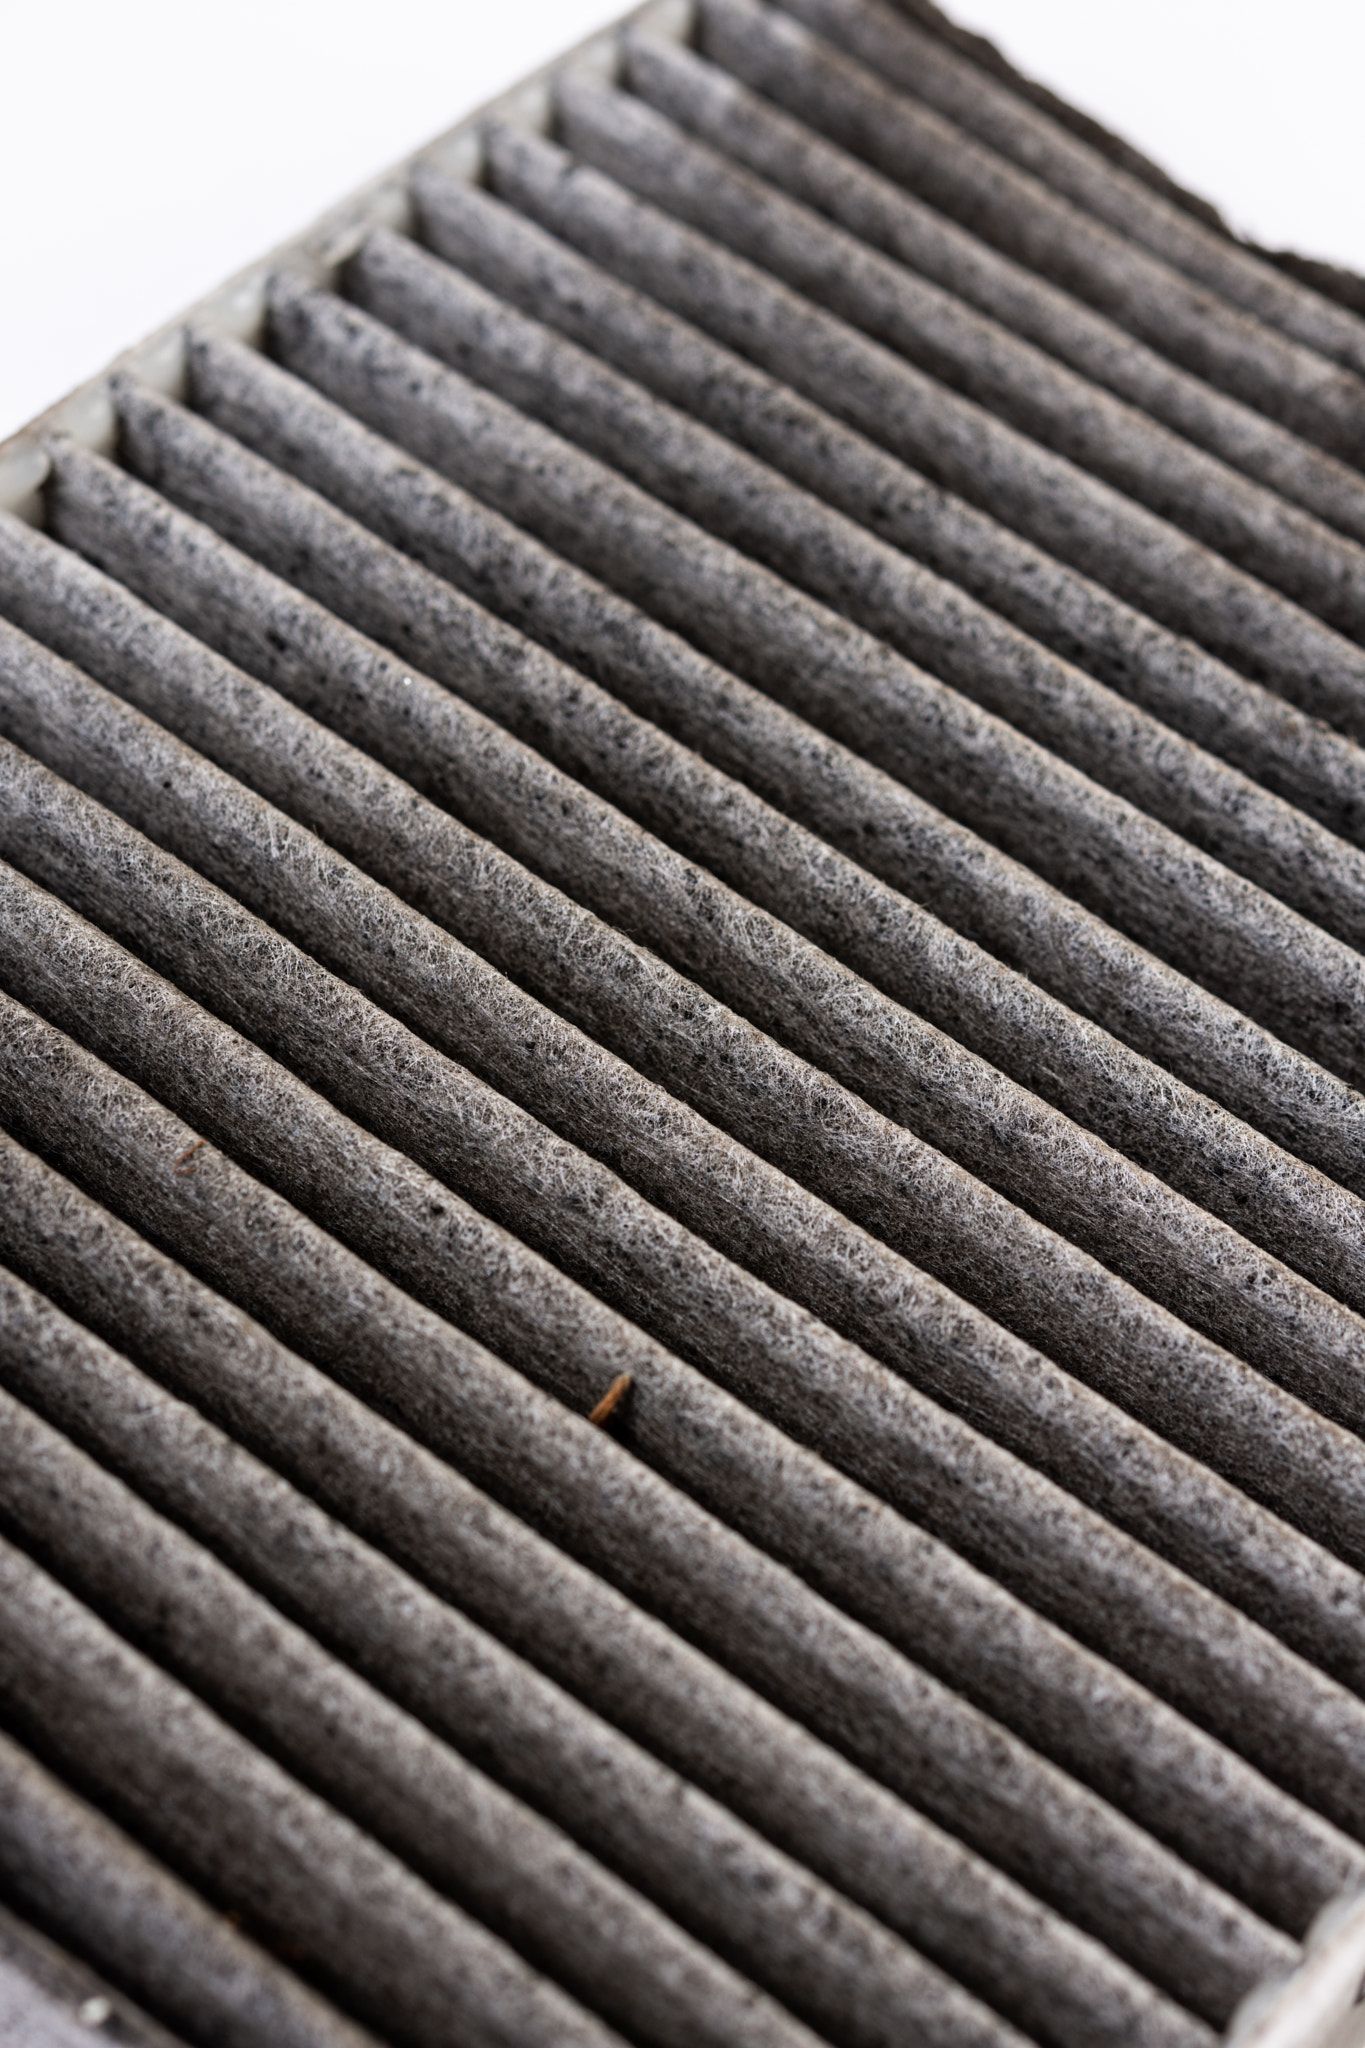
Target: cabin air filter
[682,1186]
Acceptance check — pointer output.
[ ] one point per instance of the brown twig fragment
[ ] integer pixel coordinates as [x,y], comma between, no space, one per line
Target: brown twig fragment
[181,1165]
[612,1399]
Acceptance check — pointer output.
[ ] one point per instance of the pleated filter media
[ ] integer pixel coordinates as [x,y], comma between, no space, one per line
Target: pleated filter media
[682,1191]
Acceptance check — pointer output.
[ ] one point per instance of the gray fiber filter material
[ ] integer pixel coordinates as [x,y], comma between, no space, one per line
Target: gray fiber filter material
[873,928]
[1110,148]
[689,1155]
[1171,1483]
[925,618]
[1217,1810]
[859,1973]
[533,1736]
[1220,1922]
[681,1275]
[208,1797]
[804,1524]
[635,1546]
[1009,206]
[114,621]
[913,846]
[861,110]
[772,54]
[1173,1494]
[637,243]
[842,348]
[865,693]
[93,620]
[927,65]
[436,418]
[71,1868]
[158,1035]
[624,236]
[383,1768]
[865,578]
[86,717]
[984,358]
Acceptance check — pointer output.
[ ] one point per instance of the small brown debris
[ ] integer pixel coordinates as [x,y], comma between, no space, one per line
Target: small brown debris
[612,1399]
[181,1166]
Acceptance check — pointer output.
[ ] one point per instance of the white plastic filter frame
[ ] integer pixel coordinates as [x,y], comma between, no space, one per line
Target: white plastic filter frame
[1319,2004]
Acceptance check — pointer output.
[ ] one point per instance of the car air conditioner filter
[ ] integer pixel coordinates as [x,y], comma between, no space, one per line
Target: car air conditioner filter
[682,1190]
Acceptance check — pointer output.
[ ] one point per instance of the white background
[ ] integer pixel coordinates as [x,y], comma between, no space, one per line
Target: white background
[148,148]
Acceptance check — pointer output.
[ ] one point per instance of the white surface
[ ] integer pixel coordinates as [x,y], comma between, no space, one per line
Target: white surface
[148,148]
[1255,104]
